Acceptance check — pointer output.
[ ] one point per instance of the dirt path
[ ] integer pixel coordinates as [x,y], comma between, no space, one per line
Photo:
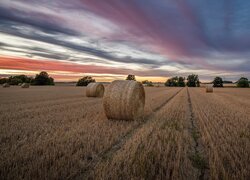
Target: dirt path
[197,157]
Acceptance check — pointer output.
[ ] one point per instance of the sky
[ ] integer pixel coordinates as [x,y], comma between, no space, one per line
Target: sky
[152,39]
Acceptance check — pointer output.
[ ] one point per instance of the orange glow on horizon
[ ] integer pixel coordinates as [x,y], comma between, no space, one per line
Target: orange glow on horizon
[64,71]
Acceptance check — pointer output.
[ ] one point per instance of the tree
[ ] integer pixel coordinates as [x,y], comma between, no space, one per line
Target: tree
[181,82]
[3,80]
[172,82]
[14,80]
[175,82]
[243,82]
[218,82]
[85,81]
[131,77]
[24,78]
[43,79]
[147,83]
[193,80]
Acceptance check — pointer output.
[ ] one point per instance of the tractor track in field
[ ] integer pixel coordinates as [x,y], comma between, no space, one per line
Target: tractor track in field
[120,142]
[198,160]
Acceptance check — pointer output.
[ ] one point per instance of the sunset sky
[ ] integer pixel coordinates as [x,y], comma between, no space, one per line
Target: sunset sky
[108,39]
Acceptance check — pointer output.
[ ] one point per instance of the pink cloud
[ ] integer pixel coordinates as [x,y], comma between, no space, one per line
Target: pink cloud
[26,64]
[167,33]
[17,63]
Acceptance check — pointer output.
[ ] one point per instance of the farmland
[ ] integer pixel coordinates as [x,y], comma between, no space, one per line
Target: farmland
[59,133]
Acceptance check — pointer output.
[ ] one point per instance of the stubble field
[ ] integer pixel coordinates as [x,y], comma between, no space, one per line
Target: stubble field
[58,133]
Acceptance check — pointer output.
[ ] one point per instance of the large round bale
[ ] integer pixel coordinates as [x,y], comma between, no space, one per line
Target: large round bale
[25,85]
[6,85]
[209,88]
[95,90]
[124,100]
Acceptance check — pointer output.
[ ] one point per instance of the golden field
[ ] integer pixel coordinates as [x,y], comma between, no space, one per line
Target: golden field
[59,133]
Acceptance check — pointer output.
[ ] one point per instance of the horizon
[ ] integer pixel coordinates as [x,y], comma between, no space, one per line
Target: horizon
[109,40]
[225,81]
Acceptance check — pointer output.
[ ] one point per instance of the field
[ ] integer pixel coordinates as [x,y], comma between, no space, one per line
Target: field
[58,133]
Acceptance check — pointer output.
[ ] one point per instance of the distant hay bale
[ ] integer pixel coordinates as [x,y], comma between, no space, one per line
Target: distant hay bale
[6,85]
[124,100]
[25,85]
[95,90]
[209,88]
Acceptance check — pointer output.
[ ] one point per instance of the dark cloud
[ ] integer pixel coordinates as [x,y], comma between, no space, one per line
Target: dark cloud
[42,21]
[187,27]
[51,56]
[76,47]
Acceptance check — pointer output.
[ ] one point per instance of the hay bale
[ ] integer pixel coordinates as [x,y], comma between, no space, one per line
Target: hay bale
[25,85]
[19,84]
[6,85]
[124,100]
[95,90]
[209,88]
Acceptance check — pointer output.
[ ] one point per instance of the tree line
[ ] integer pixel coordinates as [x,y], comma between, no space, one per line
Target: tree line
[192,80]
[42,78]
[176,81]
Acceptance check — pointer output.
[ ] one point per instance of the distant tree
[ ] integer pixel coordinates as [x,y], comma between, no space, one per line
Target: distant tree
[3,80]
[147,83]
[243,82]
[42,79]
[14,80]
[193,81]
[131,77]
[24,78]
[198,83]
[172,82]
[85,81]
[175,82]
[218,82]
[181,82]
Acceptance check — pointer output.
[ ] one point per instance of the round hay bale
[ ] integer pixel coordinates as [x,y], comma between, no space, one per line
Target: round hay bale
[95,90]
[124,100]
[25,85]
[6,85]
[209,88]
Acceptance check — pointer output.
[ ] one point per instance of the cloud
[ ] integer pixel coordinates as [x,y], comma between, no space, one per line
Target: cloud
[98,52]
[46,23]
[143,36]
[182,28]
[40,65]
[15,63]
